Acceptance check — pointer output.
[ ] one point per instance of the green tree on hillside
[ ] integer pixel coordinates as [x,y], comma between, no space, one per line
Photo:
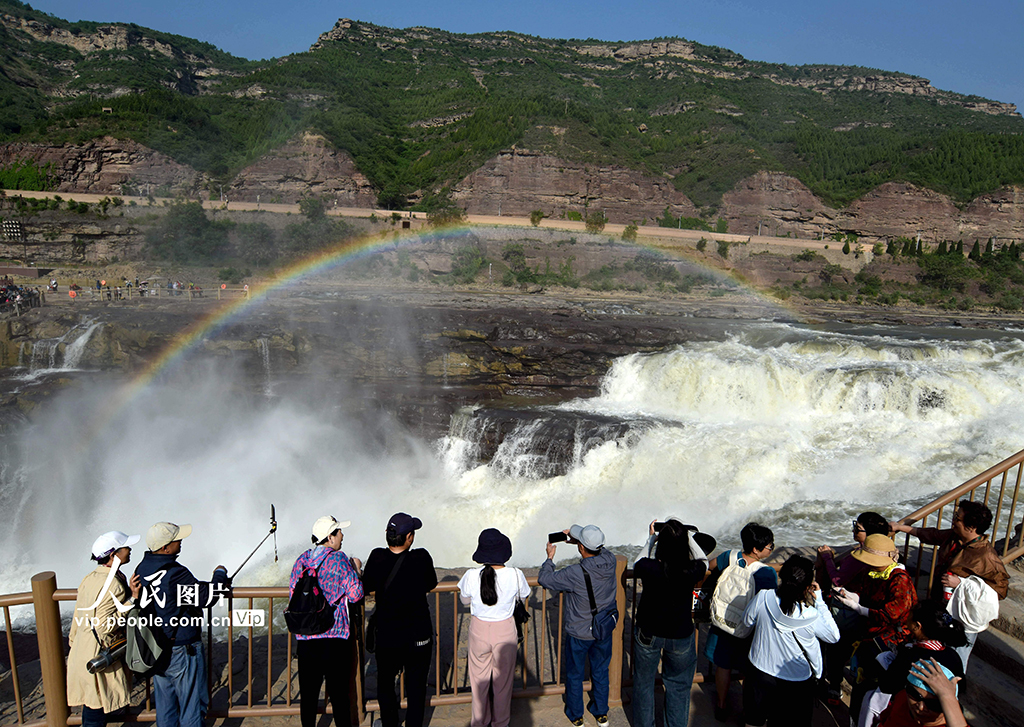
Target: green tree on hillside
[257,243]
[185,234]
[595,221]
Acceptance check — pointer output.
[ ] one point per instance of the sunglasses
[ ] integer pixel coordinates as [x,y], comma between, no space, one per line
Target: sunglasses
[857,527]
[929,703]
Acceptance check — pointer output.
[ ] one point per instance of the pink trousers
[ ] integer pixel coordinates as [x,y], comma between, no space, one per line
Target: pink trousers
[492,663]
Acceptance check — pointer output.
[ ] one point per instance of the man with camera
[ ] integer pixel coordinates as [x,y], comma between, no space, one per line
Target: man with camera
[590,586]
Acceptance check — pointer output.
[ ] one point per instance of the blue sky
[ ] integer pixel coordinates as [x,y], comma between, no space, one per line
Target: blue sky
[967,46]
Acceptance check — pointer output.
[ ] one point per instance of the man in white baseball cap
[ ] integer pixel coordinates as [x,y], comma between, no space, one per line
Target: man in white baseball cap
[179,598]
[163,533]
[590,588]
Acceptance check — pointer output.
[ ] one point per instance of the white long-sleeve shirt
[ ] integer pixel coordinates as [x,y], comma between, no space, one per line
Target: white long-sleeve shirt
[775,649]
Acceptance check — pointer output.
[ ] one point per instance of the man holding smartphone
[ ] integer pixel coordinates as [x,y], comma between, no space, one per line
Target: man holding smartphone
[598,566]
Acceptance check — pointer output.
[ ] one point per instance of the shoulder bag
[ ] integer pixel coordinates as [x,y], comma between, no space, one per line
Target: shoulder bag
[370,637]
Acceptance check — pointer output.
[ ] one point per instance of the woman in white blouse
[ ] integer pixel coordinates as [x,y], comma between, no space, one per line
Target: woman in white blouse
[785,655]
[491,592]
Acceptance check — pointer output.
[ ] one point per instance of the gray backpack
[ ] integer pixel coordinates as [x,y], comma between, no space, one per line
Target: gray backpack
[148,649]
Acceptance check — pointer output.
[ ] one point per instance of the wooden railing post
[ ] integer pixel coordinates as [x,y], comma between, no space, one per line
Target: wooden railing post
[357,704]
[615,667]
[51,649]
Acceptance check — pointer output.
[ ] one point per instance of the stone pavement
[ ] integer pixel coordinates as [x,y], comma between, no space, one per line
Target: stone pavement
[547,712]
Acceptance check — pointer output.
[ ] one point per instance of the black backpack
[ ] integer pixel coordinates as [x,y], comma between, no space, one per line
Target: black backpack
[309,612]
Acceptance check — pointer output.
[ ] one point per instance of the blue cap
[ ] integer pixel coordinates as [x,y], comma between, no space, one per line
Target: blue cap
[916,681]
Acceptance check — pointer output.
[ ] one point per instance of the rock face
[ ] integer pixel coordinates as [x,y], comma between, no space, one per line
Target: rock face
[306,165]
[106,166]
[897,208]
[106,37]
[776,204]
[781,204]
[518,181]
[65,237]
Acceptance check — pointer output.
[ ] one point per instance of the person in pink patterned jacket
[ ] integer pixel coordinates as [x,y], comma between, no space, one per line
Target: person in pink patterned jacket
[328,656]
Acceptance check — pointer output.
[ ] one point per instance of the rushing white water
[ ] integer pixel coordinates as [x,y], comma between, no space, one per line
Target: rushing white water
[263,346]
[799,429]
[45,353]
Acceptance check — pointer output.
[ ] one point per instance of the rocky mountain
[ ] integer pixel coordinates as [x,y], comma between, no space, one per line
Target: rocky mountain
[505,122]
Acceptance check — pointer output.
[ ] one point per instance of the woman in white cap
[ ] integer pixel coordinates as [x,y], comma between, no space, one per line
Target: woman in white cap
[97,624]
[491,592]
[328,656]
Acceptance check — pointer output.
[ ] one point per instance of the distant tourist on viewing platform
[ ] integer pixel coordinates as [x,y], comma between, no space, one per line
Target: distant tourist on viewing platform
[491,592]
[590,587]
[97,626]
[401,577]
[965,555]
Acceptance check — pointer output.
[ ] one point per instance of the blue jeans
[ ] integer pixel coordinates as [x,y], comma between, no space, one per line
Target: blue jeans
[965,651]
[181,697]
[678,664]
[600,653]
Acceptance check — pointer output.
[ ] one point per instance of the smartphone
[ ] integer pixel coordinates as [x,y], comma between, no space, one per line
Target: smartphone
[558,537]
[658,527]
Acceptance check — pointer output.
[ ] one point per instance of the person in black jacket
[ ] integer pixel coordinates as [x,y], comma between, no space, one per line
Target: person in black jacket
[401,577]
[664,625]
[179,597]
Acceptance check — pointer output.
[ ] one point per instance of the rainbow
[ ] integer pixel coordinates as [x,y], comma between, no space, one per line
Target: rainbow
[325,260]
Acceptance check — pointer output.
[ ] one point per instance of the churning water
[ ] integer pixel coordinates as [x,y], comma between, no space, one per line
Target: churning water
[797,428]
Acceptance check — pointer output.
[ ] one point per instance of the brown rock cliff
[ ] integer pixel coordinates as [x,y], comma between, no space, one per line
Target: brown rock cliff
[305,165]
[519,181]
[106,166]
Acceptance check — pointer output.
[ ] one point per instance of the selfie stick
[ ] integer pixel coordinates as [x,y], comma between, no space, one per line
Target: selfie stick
[273,531]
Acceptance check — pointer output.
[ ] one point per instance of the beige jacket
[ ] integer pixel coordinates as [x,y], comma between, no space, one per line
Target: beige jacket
[109,689]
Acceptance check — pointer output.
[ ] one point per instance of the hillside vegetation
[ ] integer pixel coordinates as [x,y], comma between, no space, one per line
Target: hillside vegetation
[418,109]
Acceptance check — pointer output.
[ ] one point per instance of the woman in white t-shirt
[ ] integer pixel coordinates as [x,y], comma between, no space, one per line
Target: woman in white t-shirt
[491,592]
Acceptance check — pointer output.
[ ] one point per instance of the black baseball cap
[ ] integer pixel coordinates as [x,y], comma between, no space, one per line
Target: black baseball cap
[402,523]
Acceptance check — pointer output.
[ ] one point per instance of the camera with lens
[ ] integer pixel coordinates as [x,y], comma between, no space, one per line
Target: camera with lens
[107,657]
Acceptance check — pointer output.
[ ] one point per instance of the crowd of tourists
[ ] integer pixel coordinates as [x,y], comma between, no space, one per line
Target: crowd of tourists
[795,630]
[20,295]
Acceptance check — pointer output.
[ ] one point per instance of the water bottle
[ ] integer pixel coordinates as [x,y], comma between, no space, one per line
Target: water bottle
[947,591]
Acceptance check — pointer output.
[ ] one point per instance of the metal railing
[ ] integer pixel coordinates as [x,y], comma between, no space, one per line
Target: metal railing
[997,487]
[269,688]
[122,293]
[539,661]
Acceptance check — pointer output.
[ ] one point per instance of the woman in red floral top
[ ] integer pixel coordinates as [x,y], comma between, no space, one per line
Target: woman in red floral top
[887,596]
[328,656]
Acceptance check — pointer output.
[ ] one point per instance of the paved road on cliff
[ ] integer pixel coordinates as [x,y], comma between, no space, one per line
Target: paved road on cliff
[665,236]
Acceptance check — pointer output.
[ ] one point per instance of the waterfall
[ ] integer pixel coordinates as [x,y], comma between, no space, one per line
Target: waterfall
[263,346]
[73,352]
[796,428]
[50,348]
